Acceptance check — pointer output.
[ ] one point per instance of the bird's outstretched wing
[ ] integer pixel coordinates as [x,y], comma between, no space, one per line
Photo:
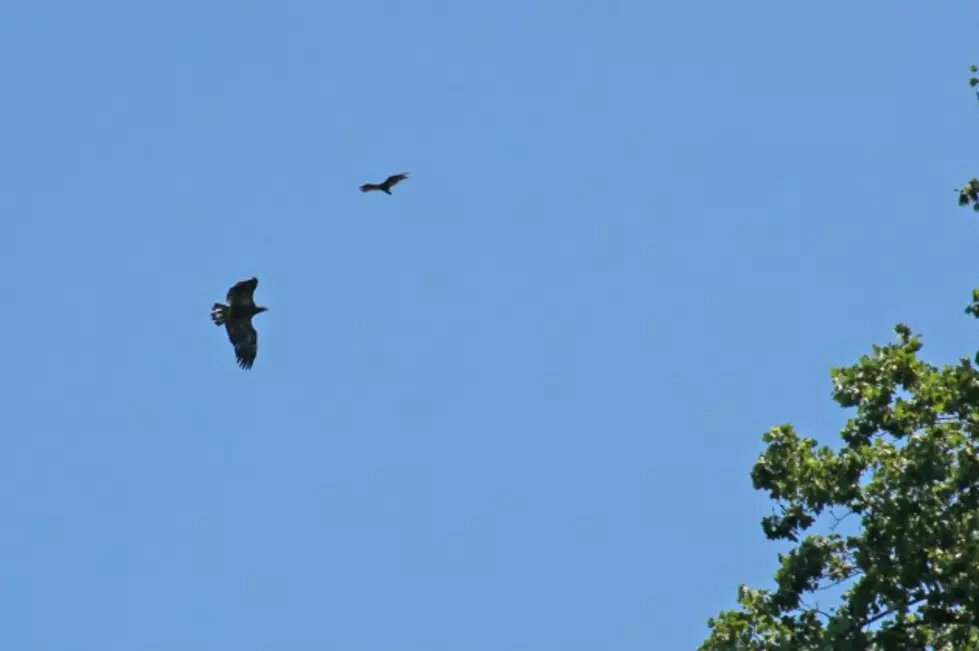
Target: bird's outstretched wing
[367,187]
[394,179]
[242,293]
[244,338]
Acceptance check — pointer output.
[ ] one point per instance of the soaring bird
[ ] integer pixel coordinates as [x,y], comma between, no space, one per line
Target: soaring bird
[389,183]
[236,317]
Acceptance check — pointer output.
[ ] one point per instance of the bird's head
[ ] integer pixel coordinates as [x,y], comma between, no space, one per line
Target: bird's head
[259,309]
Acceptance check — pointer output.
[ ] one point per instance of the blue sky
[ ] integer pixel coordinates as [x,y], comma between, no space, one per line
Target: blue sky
[512,406]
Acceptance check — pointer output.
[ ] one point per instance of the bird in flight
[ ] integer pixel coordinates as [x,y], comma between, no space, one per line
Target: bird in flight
[236,317]
[389,183]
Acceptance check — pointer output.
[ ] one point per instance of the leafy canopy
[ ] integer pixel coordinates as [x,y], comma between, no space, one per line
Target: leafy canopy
[969,195]
[908,473]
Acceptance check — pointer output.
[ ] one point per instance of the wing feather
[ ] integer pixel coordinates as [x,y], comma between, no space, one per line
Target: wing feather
[242,293]
[395,179]
[244,338]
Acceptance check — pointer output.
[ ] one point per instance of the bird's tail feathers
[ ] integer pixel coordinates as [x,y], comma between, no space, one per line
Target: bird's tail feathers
[218,314]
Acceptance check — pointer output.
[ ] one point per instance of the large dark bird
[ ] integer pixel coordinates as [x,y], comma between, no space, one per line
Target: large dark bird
[389,183]
[236,317]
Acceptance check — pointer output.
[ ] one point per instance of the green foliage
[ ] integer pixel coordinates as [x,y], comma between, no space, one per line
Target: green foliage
[969,195]
[908,470]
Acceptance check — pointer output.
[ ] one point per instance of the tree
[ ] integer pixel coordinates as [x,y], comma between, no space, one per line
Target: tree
[969,195]
[907,473]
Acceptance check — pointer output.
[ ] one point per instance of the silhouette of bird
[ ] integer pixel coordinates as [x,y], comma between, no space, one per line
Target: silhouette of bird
[389,183]
[236,317]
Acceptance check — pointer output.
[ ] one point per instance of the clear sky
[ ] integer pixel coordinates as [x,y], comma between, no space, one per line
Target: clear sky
[513,406]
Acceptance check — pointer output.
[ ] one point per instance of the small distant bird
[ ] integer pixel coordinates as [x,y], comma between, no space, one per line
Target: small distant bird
[236,317]
[389,183]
